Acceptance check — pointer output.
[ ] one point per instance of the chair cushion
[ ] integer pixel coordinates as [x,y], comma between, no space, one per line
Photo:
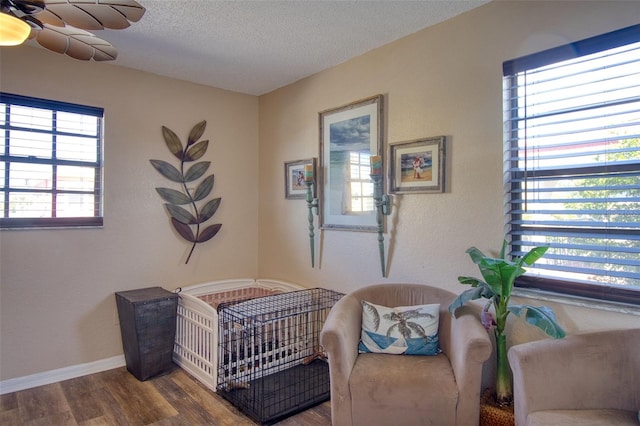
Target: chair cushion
[392,390]
[408,330]
[600,417]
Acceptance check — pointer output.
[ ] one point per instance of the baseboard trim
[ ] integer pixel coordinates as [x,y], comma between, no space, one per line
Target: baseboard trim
[66,373]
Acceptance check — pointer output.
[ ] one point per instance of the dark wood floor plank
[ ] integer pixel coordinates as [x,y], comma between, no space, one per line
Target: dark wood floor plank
[58,419]
[43,401]
[320,415]
[10,417]
[114,414]
[219,409]
[117,398]
[79,393]
[141,401]
[99,421]
[8,402]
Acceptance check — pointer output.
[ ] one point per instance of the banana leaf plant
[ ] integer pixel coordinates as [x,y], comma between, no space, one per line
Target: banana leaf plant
[184,218]
[499,276]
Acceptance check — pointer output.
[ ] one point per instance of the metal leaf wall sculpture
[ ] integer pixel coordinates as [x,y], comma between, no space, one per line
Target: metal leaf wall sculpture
[183,219]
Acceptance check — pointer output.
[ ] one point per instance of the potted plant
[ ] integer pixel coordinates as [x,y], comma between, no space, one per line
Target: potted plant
[499,276]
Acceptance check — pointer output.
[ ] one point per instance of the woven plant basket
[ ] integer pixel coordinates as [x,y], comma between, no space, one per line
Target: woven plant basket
[491,414]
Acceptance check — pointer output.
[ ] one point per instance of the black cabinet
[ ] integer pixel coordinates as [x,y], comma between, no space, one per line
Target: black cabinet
[148,326]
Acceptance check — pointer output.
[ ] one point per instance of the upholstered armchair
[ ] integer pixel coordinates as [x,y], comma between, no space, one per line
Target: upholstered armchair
[383,389]
[587,379]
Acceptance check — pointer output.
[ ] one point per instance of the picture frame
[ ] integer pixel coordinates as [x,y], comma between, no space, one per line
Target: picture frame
[417,166]
[294,187]
[349,136]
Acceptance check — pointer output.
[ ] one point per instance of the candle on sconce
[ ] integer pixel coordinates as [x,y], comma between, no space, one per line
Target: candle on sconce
[376,165]
[308,172]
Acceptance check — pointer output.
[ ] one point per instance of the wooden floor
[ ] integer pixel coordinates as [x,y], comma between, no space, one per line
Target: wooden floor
[116,397]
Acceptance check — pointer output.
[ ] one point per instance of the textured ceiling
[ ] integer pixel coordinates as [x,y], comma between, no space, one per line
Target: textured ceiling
[255,47]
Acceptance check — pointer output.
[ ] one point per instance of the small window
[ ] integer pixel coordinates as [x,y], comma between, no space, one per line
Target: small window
[572,144]
[50,163]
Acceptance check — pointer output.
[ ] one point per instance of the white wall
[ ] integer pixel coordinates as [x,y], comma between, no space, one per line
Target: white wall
[57,286]
[444,80]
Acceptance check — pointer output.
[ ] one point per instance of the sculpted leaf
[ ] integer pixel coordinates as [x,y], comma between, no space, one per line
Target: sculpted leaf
[204,188]
[196,171]
[184,230]
[209,233]
[180,214]
[172,141]
[196,132]
[209,210]
[196,151]
[167,170]
[172,196]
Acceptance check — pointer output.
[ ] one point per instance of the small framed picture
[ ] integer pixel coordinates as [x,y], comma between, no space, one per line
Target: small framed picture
[417,166]
[294,187]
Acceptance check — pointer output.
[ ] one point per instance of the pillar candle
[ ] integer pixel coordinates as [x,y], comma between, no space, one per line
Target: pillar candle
[376,165]
[308,172]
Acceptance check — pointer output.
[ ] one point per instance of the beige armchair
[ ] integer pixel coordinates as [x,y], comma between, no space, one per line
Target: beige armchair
[381,389]
[588,379]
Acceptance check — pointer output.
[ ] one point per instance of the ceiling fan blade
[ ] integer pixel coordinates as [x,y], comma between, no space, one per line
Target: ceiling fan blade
[93,14]
[77,43]
[27,7]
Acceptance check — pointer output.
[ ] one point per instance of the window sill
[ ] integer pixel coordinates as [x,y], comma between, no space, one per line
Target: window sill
[584,302]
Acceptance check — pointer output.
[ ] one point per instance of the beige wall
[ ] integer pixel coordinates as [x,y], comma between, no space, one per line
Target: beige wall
[57,304]
[57,286]
[444,80]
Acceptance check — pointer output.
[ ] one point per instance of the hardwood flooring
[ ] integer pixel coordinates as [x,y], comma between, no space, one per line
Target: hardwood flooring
[116,397]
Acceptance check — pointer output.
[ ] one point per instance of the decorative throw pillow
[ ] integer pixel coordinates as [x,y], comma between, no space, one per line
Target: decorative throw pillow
[409,330]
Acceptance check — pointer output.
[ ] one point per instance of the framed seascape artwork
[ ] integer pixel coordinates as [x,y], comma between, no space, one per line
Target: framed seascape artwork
[294,187]
[349,136]
[417,166]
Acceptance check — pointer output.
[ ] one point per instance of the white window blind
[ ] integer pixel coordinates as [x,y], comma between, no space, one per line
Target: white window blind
[50,163]
[572,144]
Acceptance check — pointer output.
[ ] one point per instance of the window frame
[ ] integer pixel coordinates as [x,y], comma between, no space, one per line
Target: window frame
[585,47]
[97,220]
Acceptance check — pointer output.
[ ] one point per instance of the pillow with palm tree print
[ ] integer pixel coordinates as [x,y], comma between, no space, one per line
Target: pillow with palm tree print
[408,330]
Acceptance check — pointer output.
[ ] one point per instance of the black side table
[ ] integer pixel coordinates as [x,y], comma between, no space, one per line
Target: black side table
[148,326]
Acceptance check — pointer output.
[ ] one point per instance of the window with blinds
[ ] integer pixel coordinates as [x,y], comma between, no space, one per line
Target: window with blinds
[572,162]
[50,163]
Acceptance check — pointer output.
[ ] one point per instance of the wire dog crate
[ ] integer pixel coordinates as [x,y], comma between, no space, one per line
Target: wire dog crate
[271,364]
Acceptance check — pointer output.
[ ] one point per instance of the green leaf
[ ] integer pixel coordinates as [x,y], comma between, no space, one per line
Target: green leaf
[196,171]
[209,233]
[208,210]
[172,141]
[180,214]
[540,316]
[172,196]
[184,230]
[196,132]
[475,254]
[481,291]
[473,282]
[534,254]
[167,170]
[503,250]
[196,151]
[204,188]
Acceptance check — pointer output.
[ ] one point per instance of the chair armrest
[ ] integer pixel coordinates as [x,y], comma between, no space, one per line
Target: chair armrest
[469,347]
[339,337]
[595,370]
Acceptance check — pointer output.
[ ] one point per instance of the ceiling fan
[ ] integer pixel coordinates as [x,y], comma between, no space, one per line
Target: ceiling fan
[59,25]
